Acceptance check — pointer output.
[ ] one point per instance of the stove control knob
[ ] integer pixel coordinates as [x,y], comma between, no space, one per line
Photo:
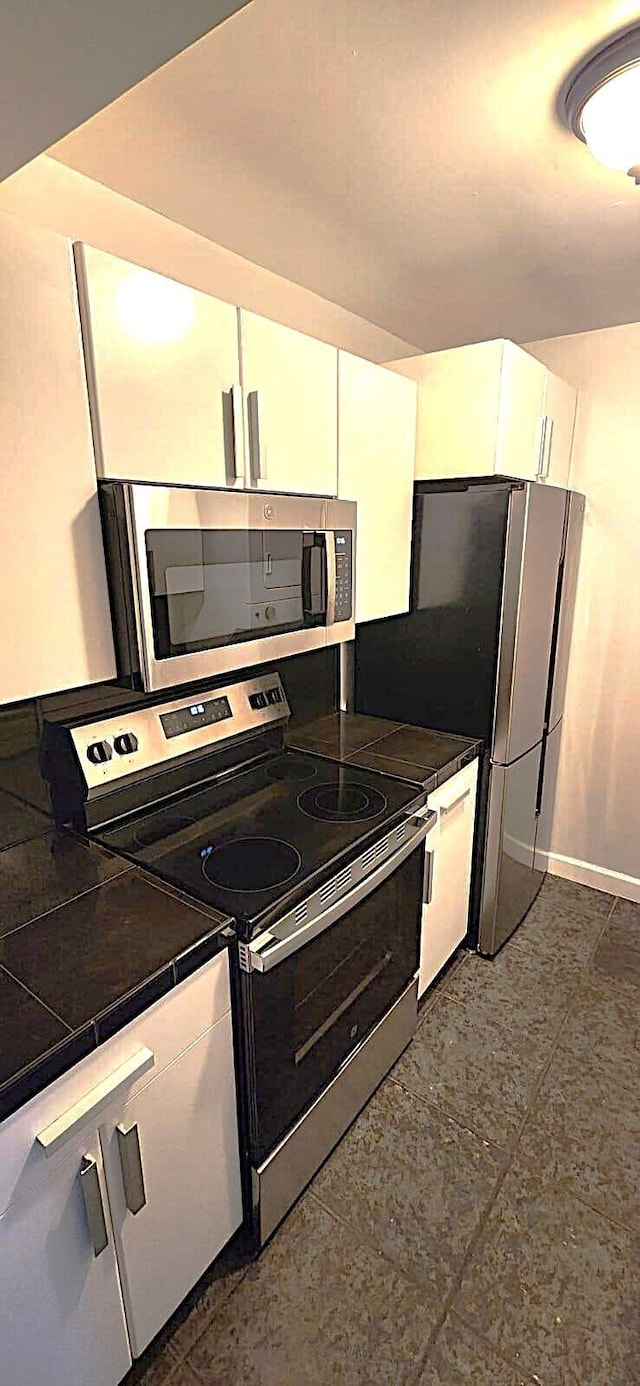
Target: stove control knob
[126,744]
[99,752]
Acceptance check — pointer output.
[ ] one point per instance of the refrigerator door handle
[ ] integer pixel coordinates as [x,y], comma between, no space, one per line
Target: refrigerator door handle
[548,444]
[541,433]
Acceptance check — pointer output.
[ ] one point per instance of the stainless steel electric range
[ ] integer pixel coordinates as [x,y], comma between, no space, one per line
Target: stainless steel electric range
[319,868]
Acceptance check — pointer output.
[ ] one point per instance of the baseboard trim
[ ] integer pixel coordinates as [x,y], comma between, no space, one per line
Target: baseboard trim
[585,873]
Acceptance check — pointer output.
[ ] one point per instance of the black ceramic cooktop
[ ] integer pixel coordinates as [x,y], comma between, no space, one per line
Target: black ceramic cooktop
[248,844]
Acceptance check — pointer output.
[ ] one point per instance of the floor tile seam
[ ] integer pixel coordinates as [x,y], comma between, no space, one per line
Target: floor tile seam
[35,997]
[565,1187]
[555,1045]
[454,1117]
[64,903]
[499,1352]
[369,1244]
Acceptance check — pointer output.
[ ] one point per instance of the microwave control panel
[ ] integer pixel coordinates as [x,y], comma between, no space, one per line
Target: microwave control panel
[344,569]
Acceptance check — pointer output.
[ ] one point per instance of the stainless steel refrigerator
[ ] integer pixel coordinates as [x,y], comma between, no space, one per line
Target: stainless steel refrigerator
[483,652]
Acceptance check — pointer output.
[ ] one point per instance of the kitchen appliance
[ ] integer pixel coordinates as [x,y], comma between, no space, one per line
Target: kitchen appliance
[319,868]
[483,652]
[207,581]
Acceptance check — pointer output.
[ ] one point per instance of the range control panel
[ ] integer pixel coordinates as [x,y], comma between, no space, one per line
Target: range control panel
[116,748]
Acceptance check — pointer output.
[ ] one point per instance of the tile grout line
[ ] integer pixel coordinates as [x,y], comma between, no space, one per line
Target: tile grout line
[35,997]
[65,903]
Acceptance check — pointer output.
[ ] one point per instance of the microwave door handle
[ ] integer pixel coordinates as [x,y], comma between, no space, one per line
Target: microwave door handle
[330,575]
[266,951]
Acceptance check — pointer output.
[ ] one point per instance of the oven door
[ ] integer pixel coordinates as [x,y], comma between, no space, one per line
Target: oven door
[219,580]
[316,998]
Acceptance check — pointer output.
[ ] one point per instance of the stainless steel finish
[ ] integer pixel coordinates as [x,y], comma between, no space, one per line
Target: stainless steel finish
[330,555]
[548,444]
[183,507]
[257,458]
[510,882]
[541,428]
[427,885]
[309,919]
[155,749]
[347,677]
[238,433]
[570,568]
[131,1166]
[94,1207]
[278,1181]
[533,549]
[544,824]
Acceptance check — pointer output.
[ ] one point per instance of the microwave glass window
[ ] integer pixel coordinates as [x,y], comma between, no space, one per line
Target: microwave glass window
[212,587]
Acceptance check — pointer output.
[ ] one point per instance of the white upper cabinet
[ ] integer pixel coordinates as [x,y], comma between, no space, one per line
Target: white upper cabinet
[290,385]
[163,371]
[376,450]
[491,409]
[55,627]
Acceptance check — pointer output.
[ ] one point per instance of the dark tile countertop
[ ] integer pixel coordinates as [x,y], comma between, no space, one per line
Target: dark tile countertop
[86,943]
[413,753]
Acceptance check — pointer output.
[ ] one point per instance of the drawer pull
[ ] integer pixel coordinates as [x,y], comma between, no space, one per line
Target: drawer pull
[447,804]
[52,1137]
[92,1194]
[131,1165]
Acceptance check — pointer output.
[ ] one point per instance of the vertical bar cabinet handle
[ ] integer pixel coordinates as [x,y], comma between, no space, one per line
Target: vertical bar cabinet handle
[541,431]
[135,1195]
[236,415]
[255,425]
[427,889]
[548,441]
[94,1207]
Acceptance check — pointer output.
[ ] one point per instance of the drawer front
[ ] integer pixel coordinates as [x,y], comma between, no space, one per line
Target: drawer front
[449,794]
[166,1028]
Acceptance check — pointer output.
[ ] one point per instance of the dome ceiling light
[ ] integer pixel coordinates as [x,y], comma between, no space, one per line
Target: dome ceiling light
[602,104]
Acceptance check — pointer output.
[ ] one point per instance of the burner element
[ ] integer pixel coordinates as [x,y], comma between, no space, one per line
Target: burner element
[251,863]
[291,768]
[342,803]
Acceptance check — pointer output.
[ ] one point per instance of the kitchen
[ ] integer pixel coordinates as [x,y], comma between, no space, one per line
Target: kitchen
[289,336]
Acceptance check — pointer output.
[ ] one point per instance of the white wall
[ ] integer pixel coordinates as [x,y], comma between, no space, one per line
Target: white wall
[63,60]
[50,194]
[596,829]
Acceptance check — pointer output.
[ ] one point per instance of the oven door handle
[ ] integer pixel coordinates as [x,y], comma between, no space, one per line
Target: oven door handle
[267,950]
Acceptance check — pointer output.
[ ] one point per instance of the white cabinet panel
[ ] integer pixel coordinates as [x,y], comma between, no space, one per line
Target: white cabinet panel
[522,390]
[55,625]
[162,361]
[290,385]
[187,1137]
[376,450]
[560,412]
[444,918]
[61,1314]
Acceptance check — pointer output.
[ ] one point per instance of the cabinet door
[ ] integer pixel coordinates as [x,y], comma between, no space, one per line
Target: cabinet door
[290,385]
[376,456]
[61,1313]
[55,625]
[180,1133]
[521,414]
[162,364]
[444,917]
[560,412]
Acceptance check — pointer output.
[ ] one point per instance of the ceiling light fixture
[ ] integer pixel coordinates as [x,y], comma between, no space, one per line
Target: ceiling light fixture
[602,104]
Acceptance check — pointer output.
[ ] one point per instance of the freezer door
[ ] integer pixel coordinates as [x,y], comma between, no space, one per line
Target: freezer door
[547,795]
[567,595]
[510,882]
[532,562]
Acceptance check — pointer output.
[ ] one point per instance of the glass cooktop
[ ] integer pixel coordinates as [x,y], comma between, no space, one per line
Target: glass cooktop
[252,841]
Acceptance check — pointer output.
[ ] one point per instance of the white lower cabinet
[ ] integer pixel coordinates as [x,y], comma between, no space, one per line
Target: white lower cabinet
[171,1148]
[61,1313]
[119,1185]
[450,845]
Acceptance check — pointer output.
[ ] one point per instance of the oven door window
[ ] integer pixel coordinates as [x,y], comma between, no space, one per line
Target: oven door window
[221,586]
[308,1013]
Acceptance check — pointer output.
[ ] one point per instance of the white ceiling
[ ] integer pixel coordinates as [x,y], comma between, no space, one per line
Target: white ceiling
[401,157]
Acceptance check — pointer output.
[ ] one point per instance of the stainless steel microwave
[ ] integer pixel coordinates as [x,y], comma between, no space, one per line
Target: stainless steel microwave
[206,581]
